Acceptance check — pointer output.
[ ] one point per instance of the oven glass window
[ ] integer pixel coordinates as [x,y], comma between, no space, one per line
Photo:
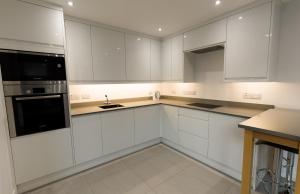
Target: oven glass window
[30,67]
[38,115]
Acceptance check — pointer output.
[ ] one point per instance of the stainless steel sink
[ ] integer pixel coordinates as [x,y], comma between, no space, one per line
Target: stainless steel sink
[109,106]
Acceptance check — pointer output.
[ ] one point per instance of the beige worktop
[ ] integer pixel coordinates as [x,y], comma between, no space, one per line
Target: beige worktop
[229,108]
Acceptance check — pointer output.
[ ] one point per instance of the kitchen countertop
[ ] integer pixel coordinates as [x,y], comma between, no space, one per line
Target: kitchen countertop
[277,122]
[239,110]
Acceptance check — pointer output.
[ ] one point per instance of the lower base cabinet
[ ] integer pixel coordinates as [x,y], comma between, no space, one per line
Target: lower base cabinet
[41,154]
[193,143]
[226,141]
[87,137]
[169,123]
[117,130]
[146,124]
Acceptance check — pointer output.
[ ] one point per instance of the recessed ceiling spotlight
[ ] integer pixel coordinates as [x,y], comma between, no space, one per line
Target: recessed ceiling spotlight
[159,29]
[218,2]
[138,39]
[71,3]
[241,17]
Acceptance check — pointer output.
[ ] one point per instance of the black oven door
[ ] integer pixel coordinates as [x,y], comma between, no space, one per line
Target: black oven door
[28,66]
[35,114]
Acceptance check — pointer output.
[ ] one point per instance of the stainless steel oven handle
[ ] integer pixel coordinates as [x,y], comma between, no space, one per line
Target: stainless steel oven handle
[37,97]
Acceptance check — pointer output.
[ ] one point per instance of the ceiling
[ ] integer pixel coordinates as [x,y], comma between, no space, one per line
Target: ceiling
[146,16]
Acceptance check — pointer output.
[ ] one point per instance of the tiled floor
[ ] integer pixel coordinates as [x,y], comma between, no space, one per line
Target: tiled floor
[156,170]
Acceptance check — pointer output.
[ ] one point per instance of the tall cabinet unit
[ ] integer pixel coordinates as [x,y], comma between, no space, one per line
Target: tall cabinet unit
[79,51]
[33,27]
[137,58]
[252,36]
[108,51]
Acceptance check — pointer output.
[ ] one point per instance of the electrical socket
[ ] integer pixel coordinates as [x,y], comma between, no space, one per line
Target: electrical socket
[252,96]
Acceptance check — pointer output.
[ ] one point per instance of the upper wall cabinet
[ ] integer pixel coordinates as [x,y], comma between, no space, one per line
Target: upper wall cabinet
[31,23]
[79,51]
[205,36]
[108,51]
[137,58]
[250,49]
[176,65]
[155,60]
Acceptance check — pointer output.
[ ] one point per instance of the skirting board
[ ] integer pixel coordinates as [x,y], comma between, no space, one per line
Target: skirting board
[83,167]
[227,171]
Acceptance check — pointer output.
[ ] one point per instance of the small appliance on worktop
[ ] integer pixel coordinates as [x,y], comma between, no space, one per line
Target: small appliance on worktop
[35,90]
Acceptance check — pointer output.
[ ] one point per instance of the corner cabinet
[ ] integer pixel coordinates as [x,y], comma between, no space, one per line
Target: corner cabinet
[79,51]
[169,123]
[137,58]
[176,65]
[252,36]
[108,51]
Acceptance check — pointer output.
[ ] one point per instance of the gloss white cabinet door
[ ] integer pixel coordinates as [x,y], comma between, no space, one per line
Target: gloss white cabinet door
[29,22]
[248,40]
[87,137]
[147,124]
[79,51]
[169,123]
[137,57]
[117,130]
[41,154]
[226,141]
[155,60]
[108,51]
[177,55]
[166,59]
[205,36]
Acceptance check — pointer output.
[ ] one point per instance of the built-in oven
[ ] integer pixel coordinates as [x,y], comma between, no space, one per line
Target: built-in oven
[35,90]
[44,109]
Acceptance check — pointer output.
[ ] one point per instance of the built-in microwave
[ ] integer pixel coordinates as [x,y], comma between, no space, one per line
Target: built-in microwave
[22,66]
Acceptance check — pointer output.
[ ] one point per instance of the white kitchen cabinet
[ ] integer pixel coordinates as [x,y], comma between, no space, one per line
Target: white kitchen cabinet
[29,22]
[193,143]
[166,59]
[250,37]
[147,124]
[87,137]
[41,154]
[226,141]
[108,51]
[117,130]
[137,58]
[79,51]
[177,67]
[169,123]
[155,60]
[208,35]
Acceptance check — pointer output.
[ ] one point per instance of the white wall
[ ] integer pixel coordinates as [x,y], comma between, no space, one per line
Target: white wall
[95,92]
[284,93]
